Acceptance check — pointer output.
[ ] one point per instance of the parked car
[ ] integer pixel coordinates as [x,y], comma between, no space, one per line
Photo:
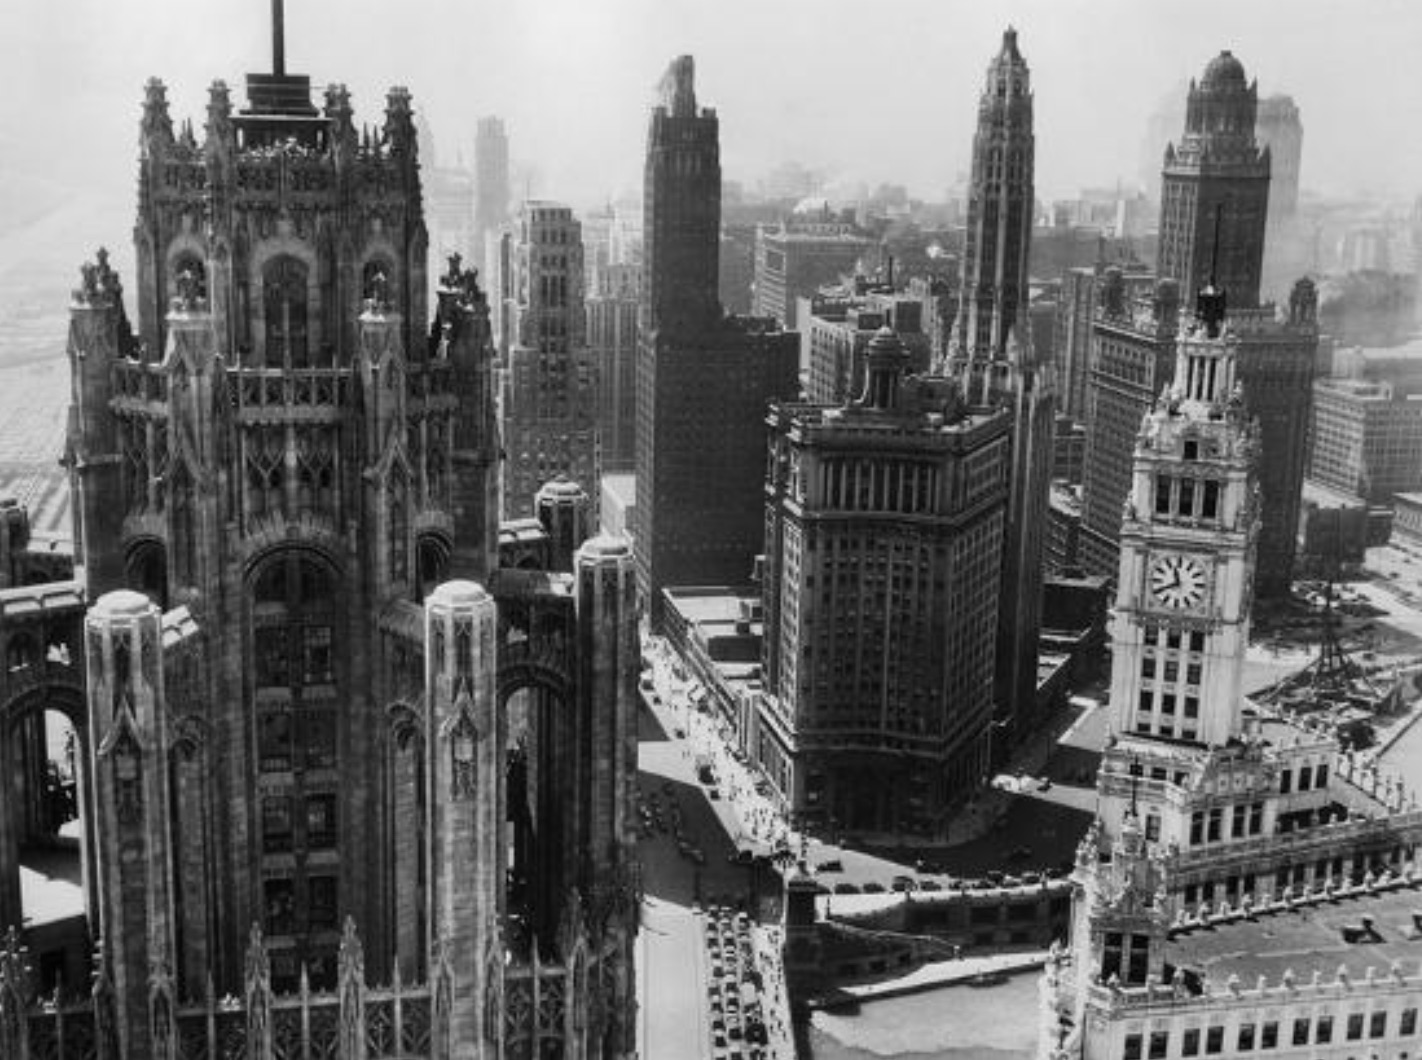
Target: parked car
[832,865]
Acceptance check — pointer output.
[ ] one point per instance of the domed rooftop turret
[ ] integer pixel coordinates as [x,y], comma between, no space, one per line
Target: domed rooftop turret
[1224,71]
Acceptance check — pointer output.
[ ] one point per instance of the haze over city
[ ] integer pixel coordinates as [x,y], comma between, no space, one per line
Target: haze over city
[856,92]
[642,530]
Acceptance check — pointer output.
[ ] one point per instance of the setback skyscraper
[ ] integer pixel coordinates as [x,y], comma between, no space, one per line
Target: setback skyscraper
[703,380]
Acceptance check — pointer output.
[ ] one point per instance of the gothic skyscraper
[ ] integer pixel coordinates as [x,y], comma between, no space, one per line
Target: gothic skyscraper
[993,354]
[1215,190]
[290,641]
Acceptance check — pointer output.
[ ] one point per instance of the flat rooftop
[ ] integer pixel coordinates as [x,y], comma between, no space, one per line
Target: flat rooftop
[1307,937]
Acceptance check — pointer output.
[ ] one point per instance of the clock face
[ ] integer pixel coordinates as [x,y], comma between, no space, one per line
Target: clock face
[1178,581]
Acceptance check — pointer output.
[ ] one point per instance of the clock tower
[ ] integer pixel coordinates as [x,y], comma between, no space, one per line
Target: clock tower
[1187,551]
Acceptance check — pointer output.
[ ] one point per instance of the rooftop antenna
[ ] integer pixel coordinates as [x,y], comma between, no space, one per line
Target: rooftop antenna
[278,39]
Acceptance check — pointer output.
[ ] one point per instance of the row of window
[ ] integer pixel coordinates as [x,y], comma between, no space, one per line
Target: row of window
[1187,498]
[1250,1036]
[1208,826]
[1170,670]
[317,823]
[1154,635]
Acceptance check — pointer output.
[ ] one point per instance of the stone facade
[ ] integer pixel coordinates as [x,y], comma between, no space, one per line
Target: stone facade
[1216,816]
[884,525]
[310,690]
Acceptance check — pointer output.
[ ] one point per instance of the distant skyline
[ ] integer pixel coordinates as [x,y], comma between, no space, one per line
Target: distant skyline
[858,92]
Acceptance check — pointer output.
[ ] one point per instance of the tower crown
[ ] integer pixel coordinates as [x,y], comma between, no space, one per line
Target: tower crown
[678,87]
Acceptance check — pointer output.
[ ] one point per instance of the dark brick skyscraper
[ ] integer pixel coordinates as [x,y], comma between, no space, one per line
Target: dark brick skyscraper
[703,380]
[992,352]
[1216,167]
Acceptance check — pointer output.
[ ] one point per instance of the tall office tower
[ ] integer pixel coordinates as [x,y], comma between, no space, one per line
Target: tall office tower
[1132,358]
[1215,190]
[491,185]
[1278,128]
[1288,248]
[993,355]
[548,412]
[297,766]
[885,520]
[613,304]
[703,381]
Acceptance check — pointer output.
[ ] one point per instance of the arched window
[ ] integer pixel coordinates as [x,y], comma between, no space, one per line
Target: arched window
[284,304]
[189,277]
[377,281]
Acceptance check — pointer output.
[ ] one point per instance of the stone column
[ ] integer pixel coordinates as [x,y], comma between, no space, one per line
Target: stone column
[610,662]
[130,769]
[466,777]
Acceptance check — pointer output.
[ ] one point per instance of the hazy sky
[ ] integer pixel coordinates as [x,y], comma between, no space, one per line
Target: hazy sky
[865,90]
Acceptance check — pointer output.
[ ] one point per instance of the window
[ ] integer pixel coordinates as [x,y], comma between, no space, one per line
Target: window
[318,739]
[1301,1032]
[1190,1042]
[1323,1030]
[1192,706]
[1146,700]
[1407,1026]
[1256,818]
[1172,639]
[318,655]
[320,822]
[321,909]
[1355,1026]
[1214,1041]
[1377,1024]
[1286,782]
[1197,640]
[1111,954]
[1197,827]
[271,652]
[1172,671]
[1320,775]
[1216,818]
[1133,1047]
[1167,703]
[1269,1037]
[1210,500]
[1192,674]
[1148,667]
[1152,830]
[1246,1037]
[1187,497]
[276,823]
[277,896]
[1159,1044]
[1238,824]
[1162,494]
[284,305]
[274,741]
